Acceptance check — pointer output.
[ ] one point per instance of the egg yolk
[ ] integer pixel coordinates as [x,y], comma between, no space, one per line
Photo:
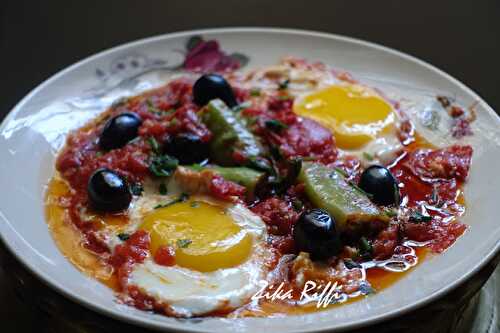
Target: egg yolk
[204,235]
[355,114]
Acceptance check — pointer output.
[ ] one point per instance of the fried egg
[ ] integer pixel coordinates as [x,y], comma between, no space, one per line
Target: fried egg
[362,122]
[220,251]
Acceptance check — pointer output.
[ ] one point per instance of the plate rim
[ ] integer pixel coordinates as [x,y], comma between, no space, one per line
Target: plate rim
[156,325]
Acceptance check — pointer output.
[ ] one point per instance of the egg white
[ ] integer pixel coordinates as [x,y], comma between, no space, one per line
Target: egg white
[185,291]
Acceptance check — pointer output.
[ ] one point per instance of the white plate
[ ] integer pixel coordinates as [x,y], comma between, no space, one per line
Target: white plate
[36,127]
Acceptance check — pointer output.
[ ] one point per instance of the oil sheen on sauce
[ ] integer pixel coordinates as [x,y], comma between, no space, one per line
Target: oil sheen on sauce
[69,239]
[69,242]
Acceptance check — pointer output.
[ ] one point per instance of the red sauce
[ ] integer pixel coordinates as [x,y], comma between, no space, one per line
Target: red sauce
[429,179]
[225,190]
[301,138]
[134,250]
[165,256]
[433,179]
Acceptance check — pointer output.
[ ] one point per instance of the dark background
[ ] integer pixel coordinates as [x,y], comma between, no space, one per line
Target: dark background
[39,38]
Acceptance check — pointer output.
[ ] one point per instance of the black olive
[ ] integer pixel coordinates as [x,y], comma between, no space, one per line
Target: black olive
[108,191]
[380,184]
[315,232]
[119,130]
[187,148]
[212,86]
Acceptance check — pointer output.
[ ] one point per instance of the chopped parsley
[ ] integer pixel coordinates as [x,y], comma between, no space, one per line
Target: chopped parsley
[162,189]
[275,125]
[241,107]
[152,108]
[284,84]
[173,122]
[434,195]
[368,156]
[183,243]
[350,264]
[155,146]
[417,217]
[255,92]
[391,212]
[297,204]
[276,152]
[182,198]
[193,42]
[123,236]
[136,188]
[195,204]
[366,249]
[163,165]
[435,199]
[284,97]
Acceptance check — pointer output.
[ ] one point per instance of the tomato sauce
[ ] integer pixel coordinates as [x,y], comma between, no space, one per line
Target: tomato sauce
[431,182]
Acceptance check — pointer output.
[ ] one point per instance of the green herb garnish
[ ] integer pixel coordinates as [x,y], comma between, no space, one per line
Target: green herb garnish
[98,153]
[155,146]
[183,243]
[255,92]
[182,198]
[193,42]
[365,247]
[173,122]
[162,189]
[297,204]
[152,108]
[163,165]
[195,204]
[391,212]
[350,264]
[434,195]
[284,84]
[435,199]
[276,152]
[123,236]
[241,107]
[284,97]
[368,156]
[275,125]
[136,188]
[417,217]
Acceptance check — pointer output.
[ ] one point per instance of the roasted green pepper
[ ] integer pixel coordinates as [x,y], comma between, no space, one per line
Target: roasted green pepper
[230,135]
[241,175]
[328,189]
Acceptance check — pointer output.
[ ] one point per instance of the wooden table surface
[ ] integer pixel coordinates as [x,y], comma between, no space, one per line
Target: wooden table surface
[39,38]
